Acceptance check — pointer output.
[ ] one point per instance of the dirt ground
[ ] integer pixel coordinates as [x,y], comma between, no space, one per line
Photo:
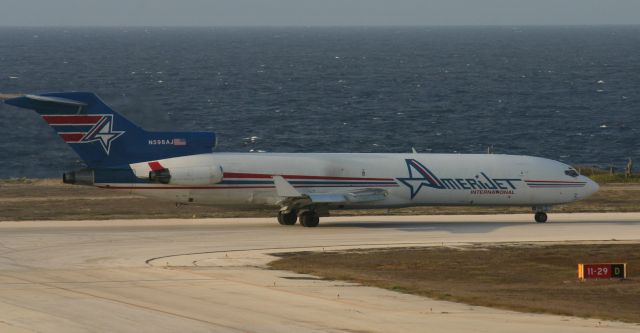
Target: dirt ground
[530,278]
[45,199]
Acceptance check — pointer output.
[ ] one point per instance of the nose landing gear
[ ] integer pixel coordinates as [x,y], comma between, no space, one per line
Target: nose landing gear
[541,213]
[541,217]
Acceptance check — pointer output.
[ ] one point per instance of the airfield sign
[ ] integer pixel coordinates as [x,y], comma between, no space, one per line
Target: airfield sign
[602,271]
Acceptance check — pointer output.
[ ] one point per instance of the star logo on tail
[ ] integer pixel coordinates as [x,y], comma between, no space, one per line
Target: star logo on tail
[419,177]
[103,133]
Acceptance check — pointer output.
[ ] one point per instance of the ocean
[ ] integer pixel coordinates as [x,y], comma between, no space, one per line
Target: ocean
[566,93]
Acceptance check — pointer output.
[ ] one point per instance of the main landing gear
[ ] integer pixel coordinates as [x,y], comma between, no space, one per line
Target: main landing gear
[308,218]
[289,218]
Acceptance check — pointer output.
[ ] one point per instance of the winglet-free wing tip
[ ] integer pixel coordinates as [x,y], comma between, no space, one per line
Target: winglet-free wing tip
[284,188]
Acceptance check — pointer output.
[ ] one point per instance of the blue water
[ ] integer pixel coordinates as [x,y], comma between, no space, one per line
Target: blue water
[567,93]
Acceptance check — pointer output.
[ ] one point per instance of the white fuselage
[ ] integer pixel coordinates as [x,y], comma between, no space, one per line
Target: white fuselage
[408,179]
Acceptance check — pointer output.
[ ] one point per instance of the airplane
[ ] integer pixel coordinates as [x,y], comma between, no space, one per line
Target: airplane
[182,167]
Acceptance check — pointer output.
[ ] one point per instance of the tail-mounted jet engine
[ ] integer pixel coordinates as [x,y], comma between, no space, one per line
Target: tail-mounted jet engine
[205,175]
[79,177]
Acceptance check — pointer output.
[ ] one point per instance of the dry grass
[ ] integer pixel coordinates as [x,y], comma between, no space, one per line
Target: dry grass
[45,199]
[531,278]
[51,200]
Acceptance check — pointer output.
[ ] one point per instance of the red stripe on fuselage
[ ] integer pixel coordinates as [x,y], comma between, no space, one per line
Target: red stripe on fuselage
[173,187]
[267,176]
[71,137]
[71,120]
[554,181]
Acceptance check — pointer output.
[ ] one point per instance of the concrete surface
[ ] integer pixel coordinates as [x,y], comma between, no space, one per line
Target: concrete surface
[209,276]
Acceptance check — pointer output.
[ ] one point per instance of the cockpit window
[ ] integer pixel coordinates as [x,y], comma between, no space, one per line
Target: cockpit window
[572,172]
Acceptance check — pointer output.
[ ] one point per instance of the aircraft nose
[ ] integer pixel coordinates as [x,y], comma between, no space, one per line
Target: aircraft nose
[591,188]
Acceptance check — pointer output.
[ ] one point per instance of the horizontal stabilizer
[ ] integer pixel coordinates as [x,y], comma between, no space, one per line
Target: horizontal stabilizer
[4,96]
[56,100]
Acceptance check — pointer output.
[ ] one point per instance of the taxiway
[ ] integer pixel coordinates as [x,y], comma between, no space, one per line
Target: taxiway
[210,275]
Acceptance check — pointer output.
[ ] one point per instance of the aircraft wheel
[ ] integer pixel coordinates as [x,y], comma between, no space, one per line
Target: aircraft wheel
[287,218]
[541,217]
[309,219]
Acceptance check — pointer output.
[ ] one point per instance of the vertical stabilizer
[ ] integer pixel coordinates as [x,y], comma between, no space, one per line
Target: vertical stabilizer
[102,137]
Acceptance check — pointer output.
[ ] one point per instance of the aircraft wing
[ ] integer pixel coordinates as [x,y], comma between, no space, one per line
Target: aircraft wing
[290,193]
[360,195]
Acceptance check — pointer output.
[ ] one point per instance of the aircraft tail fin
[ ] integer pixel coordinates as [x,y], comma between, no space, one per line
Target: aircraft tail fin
[102,137]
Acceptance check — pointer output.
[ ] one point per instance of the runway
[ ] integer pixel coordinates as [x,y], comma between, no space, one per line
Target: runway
[209,275]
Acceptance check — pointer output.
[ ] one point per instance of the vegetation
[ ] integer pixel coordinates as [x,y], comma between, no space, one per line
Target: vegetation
[603,176]
[21,180]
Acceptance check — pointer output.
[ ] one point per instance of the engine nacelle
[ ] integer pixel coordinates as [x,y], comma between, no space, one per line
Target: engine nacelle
[203,175]
[79,177]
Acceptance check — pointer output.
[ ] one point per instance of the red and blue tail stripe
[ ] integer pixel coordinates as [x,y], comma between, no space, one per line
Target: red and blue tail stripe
[73,128]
